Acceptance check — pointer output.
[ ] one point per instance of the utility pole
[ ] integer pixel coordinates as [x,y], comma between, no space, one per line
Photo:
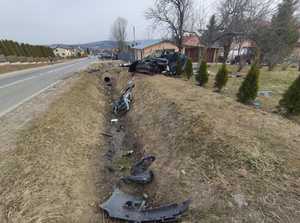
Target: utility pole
[134,34]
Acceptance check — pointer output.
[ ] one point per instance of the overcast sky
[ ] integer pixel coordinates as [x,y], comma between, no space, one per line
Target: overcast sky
[71,21]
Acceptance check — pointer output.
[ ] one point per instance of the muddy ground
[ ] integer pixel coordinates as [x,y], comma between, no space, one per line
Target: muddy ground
[237,164]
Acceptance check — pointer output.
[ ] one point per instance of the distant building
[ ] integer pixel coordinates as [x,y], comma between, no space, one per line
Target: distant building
[246,49]
[142,49]
[66,51]
[63,52]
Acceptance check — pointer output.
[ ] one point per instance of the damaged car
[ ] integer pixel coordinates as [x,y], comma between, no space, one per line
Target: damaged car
[165,63]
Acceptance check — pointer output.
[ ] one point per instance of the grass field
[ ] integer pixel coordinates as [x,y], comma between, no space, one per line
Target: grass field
[276,81]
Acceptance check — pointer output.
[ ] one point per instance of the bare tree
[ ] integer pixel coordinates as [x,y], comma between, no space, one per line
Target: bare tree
[119,32]
[173,14]
[237,19]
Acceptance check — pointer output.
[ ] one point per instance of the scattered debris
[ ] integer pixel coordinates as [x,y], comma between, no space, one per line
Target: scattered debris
[140,173]
[237,74]
[257,104]
[125,65]
[165,63]
[115,120]
[122,105]
[107,134]
[265,93]
[128,153]
[126,207]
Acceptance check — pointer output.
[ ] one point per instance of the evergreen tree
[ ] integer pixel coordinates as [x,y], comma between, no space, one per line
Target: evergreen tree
[278,40]
[189,69]
[291,98]
[248,90]
[221,77]
[202,75]
[211,32]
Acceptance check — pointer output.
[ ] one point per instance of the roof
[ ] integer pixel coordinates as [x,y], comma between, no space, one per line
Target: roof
[191,41]
[142,44]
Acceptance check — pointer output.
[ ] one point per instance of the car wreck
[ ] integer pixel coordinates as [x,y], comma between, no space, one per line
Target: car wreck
[122,105]
[131,208]
[140,173]
[165,63]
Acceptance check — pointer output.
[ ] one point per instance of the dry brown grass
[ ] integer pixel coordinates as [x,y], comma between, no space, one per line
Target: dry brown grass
[53,174]
[238,164]
[16,67]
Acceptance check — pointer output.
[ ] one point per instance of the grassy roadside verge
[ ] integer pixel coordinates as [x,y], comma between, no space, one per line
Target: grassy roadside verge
[238,164]
[16,67]
[277,81]
[52,174]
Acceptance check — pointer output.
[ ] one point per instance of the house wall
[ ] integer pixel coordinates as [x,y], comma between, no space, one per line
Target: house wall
[164,46]
[192,53]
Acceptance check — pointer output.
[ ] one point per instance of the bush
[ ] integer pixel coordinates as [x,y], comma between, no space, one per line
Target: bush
[291,99]
[189,69]
[221,77]
[202,76]
[249,88]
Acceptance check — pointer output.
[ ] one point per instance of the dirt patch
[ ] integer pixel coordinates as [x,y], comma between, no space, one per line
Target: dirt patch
[53,173]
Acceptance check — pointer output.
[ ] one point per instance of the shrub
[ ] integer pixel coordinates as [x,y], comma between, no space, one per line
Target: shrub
[291,99]
[202,76]
[249,87]
[221,77]
[189,69]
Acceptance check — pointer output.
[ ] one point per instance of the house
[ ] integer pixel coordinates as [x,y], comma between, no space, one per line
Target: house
[144,48]
[193,48]
[245,49]
[63,52]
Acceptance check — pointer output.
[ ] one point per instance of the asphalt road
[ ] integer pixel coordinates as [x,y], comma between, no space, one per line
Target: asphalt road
[18,87]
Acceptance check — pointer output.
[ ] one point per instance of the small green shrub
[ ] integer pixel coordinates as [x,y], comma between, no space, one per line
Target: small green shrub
[291,99]
[221,77]
[202,75]
[189,69]
[249,87]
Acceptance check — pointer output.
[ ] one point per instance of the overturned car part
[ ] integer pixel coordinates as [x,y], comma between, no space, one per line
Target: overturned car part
[140,173]
[126,207]
[122,105]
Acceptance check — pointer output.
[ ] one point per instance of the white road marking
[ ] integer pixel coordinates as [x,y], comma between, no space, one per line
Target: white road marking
[30,78]
[28,99]
[16,82]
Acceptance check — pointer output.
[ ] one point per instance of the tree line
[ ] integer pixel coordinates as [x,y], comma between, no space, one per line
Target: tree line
[12,48]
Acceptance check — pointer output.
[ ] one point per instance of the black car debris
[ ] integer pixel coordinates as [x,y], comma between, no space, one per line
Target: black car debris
[122,105]
[123,206]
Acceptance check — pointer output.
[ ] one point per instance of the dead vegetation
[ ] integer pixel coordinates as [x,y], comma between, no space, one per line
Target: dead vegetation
[53,173]
[237,163]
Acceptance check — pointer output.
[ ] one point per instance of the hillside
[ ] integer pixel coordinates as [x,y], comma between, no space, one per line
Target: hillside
[107,44]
